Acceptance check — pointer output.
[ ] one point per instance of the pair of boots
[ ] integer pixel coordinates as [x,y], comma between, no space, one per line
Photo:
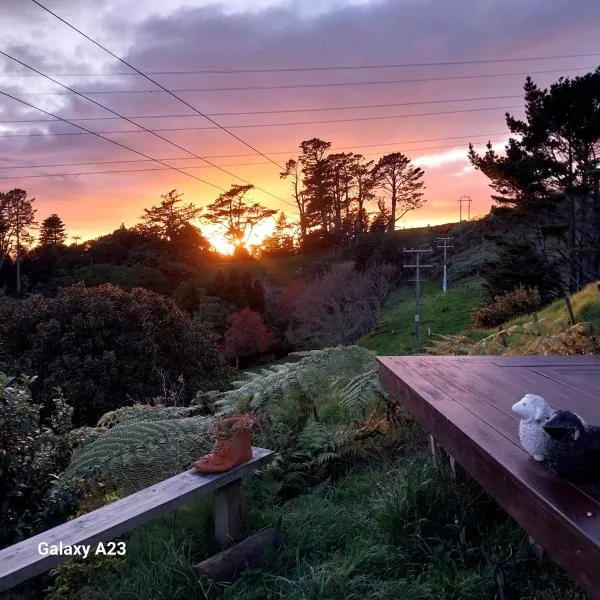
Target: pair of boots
[232,446]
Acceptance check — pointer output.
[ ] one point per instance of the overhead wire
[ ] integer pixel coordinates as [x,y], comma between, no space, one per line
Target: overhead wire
[291,86]
[215,71]
[109,140]
[263,125]
[156,83]
[154,133]
[280,111]
[288,152]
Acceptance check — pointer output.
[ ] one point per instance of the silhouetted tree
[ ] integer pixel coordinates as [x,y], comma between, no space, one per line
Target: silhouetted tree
[52,232]
[403,183]
[17,217]
[549,174]
[293,171]
[236,217]
[167,219]
[280,242]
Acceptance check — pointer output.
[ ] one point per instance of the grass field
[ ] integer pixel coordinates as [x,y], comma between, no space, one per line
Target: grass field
[442,313]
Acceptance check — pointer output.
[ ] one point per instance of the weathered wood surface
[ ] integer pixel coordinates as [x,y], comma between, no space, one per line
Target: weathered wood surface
[229,564]
[23,560]
[465,404]
[228,513]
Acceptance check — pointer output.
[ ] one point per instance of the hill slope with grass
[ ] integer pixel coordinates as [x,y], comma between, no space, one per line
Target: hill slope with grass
[442,313]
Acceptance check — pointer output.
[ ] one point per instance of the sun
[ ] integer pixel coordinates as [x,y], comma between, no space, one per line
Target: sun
[214,234]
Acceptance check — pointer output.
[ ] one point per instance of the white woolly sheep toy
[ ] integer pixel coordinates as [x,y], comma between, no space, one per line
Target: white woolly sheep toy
[534,412]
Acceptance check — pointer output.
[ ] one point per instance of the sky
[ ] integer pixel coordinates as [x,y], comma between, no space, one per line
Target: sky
[433,110]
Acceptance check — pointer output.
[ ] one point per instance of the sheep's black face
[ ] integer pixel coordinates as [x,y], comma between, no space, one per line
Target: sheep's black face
[564,425]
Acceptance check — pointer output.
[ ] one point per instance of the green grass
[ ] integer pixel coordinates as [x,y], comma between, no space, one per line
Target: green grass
[443,313]
[400,527]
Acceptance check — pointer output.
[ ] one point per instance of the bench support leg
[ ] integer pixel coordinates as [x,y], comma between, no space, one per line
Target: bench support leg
[228,513]
[434,447]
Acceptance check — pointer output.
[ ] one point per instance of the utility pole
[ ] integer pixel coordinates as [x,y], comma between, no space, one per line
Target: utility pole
[461,200]
[417,291]
[445,243]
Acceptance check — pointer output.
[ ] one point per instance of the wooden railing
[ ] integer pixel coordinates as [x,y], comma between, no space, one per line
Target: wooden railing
[28,559]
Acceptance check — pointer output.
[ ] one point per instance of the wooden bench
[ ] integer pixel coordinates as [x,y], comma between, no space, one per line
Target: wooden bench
[24,560]
[465,404]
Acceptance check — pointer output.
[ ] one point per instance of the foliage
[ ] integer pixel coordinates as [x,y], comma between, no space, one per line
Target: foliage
[32,451]
[52,232]
[521,301]
[246,335]
[403,183]
[518,263]
[107,347]
[339,306]
[123,276]
[281,241]
[547,176]
[139,446]
[236,217]
[17,217]
[169,218]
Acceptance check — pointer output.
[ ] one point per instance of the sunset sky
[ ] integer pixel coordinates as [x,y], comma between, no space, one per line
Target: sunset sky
[432,121]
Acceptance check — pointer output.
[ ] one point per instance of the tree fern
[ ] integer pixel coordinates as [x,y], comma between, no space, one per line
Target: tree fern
[137,453]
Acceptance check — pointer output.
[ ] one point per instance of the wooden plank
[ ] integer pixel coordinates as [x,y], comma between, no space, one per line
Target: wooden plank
[551,510]
[23,560]
[229,564]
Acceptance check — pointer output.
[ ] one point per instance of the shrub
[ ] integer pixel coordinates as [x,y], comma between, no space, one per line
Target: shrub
[32,450]
[107,347]
[521,301]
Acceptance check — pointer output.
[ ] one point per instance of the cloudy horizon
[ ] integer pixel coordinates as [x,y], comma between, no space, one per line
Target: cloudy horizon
[429,112]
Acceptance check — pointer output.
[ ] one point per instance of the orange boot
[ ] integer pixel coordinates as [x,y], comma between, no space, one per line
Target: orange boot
[232,446]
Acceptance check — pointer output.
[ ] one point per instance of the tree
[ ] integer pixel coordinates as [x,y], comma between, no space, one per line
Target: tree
[52,232]
[293,170]
[167,219]
[17,217]
[338,307]
[403,182]
[246,335]
[281,241]
[107,348]
[236,217]
[549,177]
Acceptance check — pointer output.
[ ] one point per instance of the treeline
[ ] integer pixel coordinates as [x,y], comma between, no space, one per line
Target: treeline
[334,191]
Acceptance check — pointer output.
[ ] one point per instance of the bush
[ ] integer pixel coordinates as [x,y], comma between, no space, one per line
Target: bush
[521,301]
[32,450]
[107,347]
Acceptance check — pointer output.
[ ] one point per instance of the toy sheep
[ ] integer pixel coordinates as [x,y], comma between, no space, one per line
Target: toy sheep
[534,412]
[574,447]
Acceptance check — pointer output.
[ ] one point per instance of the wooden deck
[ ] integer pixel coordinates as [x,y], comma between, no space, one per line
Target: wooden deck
[465,403]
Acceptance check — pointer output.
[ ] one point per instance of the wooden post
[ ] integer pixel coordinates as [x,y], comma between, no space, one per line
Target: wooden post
[536,549]
[570,309]
[228,513]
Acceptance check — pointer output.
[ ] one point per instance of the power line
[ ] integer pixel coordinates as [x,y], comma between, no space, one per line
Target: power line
[214,71]
[287,152]
[280,111]
[315,85]
[156,83]
[110,162]
[263,125]
[109,140]
[126,119]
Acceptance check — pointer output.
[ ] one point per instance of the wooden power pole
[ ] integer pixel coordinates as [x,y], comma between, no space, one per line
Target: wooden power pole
[461,200]
[417,281]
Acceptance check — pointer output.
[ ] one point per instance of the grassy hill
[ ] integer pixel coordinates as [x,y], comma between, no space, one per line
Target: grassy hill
[442,313]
